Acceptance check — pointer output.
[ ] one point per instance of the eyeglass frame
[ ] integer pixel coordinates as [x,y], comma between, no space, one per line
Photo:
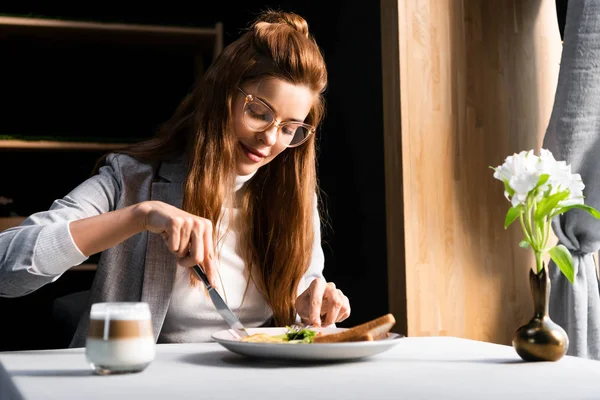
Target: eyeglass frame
[248,98]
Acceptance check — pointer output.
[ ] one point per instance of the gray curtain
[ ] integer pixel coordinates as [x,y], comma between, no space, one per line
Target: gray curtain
[573,135]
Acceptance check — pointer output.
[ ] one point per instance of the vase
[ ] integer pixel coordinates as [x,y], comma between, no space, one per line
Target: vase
[540,339]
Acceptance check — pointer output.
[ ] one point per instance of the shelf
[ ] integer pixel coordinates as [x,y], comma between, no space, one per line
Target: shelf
[59,145]
[84,267]
[10,222]
[71,51]
[151,34]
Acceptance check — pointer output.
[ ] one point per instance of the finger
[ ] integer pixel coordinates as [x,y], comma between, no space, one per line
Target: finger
[343,317]
[334,304]
[345,311]
[184,241]
[301,305]
[316,291]
[172,239]
[209,261]
[196,251]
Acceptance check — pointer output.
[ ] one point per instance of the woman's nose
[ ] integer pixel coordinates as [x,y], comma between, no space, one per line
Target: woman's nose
[269,136]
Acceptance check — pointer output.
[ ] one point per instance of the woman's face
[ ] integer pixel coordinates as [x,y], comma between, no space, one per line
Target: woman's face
[289,102]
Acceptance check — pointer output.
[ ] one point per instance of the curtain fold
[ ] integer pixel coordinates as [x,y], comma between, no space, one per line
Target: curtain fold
[573,135]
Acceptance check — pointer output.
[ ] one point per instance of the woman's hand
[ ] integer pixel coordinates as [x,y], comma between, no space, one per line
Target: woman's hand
[187,236]
[322,304]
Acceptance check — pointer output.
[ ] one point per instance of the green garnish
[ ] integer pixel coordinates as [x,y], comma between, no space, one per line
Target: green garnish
[298,335]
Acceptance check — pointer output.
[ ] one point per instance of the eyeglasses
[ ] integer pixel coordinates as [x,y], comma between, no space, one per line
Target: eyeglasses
[259,117]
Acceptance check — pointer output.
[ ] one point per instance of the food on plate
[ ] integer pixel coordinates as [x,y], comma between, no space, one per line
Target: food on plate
[292,336]
[372,330]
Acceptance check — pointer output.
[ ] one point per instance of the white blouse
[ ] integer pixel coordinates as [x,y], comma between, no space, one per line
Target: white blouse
[191,315]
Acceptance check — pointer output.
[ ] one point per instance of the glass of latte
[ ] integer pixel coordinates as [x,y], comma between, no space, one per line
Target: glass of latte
[120,338]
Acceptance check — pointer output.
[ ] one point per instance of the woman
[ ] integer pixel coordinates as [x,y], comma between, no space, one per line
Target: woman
[228,183]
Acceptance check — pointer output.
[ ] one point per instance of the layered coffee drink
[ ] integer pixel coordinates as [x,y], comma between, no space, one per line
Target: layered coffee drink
[120,338]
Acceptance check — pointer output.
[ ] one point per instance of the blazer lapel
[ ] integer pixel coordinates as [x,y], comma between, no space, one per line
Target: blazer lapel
[160,265]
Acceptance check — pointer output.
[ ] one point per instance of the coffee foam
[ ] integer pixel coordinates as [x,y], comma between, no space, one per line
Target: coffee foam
[120,311]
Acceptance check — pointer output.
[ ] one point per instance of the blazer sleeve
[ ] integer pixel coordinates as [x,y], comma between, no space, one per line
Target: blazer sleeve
[41,249]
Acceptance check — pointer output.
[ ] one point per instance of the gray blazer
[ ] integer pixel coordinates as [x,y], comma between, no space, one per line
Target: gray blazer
[139,269]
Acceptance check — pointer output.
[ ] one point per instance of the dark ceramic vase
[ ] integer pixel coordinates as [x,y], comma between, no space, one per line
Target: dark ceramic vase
[540,339]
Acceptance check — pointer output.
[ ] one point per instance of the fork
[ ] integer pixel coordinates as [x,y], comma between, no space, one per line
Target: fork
[299,327]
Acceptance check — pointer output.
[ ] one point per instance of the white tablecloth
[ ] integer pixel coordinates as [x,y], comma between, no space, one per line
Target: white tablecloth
[416,368]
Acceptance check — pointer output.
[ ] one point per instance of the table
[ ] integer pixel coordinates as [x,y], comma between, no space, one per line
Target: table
[416,368]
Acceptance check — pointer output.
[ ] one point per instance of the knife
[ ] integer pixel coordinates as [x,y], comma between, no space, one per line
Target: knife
[222,307]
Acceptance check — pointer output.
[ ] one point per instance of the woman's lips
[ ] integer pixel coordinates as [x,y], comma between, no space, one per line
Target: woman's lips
[253,155]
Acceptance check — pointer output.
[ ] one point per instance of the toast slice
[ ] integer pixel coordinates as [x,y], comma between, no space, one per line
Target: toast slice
[372,330]
[367,337]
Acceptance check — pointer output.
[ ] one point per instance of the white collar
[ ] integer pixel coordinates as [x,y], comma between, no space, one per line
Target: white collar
[241,179]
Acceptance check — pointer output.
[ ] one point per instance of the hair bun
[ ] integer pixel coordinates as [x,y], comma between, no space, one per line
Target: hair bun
[279,17]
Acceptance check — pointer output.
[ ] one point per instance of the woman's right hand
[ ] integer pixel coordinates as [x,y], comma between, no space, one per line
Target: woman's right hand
[188,237]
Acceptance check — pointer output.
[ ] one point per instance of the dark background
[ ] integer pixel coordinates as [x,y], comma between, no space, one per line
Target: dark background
[561,11]
[350,162]
[36,102]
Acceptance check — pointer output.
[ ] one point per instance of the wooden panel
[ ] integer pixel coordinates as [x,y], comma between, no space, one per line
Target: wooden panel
[392,128]
[477,84]
[58,145]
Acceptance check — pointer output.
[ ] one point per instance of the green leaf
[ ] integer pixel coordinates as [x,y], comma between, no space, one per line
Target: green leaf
[548,204]
[589,209]
[524,244]
[508,189]
[543,179]
[562,257]
[512,214]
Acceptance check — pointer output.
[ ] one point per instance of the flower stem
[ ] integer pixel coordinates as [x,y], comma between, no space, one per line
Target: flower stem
[546,232]
[525,231]
[536,233]
[527,213]
[538,261]
[530,226]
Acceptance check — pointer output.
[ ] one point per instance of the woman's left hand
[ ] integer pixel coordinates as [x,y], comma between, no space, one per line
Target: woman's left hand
[322,304]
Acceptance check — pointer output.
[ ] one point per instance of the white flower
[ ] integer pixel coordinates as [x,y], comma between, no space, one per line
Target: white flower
[519,171]
[575,187]
[560,179]
[522,172]
[533,185]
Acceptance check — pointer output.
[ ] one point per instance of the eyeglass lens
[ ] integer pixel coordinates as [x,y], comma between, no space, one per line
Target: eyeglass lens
[259,117]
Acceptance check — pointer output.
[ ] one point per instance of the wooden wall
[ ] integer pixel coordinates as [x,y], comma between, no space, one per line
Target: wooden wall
[465,84]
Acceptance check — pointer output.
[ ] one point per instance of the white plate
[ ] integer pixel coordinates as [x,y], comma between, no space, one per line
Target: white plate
[307,352]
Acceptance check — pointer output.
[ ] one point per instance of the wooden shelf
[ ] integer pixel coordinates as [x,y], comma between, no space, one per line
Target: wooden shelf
[26,35]
[152,34]
[58,145]
[84,267]
[10,222]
